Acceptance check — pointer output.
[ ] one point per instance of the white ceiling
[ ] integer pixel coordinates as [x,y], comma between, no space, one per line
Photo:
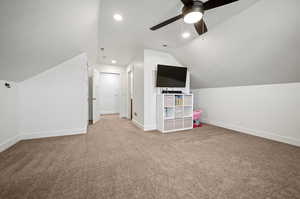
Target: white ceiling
[248,42]
[124,40]
[38,34]
[261,45]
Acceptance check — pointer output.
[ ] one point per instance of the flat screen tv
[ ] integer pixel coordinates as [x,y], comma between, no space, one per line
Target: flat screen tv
[171,76]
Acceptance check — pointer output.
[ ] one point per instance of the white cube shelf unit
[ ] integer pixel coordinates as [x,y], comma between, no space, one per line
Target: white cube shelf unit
[174,112]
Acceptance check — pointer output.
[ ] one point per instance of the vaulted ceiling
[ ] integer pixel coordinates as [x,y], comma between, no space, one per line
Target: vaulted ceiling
[122,41]
[248,42]
[36,35]
[261,45]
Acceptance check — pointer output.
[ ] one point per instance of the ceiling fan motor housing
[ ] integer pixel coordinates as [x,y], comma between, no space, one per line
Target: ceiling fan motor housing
[197,6]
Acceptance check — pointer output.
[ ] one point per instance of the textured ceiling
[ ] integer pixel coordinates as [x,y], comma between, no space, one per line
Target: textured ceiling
[261,45]
[38,34]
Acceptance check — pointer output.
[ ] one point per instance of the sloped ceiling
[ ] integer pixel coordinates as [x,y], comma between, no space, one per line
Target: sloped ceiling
[124,40]
[261,45]
[249,42]
[38,34]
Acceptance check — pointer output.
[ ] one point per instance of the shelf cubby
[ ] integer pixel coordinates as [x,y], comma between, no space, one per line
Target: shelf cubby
[188,122]
[174,112]
[188,100]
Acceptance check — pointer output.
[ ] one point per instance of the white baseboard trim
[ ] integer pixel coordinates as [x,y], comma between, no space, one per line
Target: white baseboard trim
[57,133]
[137,124]
[150,128]
[108,112]
[9,143]
[258,133]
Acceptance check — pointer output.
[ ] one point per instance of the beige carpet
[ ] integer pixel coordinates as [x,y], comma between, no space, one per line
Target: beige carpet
[118,160]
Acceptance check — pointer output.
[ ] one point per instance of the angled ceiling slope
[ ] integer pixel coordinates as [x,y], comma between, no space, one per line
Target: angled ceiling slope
[261,45]
[37,35]
[124,40]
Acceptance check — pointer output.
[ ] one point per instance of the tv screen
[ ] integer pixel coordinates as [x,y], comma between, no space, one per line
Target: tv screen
[171,76]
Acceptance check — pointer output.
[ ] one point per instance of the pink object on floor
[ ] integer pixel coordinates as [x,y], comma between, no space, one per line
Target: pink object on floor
[196,118]
[197,114]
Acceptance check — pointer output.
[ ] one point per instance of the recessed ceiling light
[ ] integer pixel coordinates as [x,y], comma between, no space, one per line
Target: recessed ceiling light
[118,17]
[113,61]
[186,35]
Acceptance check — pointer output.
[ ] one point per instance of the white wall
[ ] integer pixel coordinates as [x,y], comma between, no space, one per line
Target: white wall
[138,93]
[41,34]
[137,68]
[8,115]
[151,60]
[258,46]
[122,71]
[270,111]
[55,102]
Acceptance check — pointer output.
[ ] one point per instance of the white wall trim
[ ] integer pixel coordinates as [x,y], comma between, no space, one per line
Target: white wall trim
[150,128]
[57,133]
[137,124]
[9,143]
[109,113]
[255,132]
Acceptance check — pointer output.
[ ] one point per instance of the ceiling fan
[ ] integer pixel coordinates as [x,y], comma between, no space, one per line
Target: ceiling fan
[192,13]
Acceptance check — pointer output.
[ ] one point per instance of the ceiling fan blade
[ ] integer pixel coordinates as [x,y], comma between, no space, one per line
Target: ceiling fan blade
[216,3]
[187,2]
[200,27]
[167,22]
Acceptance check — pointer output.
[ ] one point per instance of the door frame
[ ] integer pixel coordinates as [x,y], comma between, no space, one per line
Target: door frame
[120,90]
[130,88]
[95,95]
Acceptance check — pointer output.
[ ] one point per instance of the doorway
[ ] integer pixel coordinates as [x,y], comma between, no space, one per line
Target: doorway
[109,91]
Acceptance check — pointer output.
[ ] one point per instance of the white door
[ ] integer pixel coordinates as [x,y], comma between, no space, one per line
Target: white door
[109,93]
[95,96]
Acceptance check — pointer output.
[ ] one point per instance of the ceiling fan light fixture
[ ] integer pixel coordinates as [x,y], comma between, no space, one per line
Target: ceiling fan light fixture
[193,17]
[193,14]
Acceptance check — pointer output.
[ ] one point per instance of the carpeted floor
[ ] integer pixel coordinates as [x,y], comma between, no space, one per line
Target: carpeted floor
[118,160]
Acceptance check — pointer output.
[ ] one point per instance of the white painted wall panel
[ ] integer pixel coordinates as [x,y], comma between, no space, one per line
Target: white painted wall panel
[270,111]
[8,115]
[55,102]
[151,60]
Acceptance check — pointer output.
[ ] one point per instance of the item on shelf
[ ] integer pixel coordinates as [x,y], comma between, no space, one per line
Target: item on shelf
[168,112]
[169,101]
[196,118]
[178,100]
[171,92]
